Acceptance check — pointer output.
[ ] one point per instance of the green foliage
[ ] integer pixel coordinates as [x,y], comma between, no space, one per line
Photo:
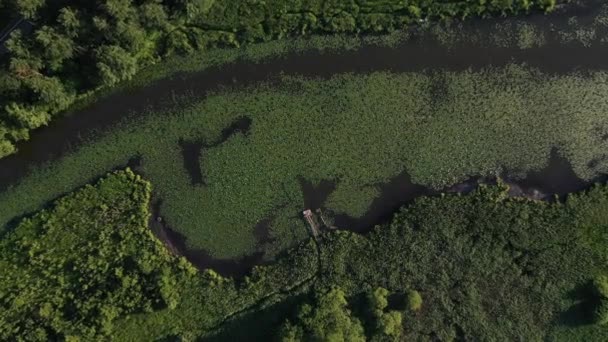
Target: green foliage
[328,319]
[484,258]
[71,270]
[377,301]
[388,326]
[601,312]
[115,64]
[600,285]
[75,270]
[29,8]
[414,300]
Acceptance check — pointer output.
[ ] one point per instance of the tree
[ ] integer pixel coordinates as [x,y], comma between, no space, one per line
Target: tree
[378,301]
[601,312]
[414,300]
[114,64]
[387,325]
[29,8]
[27,116]
[390,324]
[154,15]
[55,47]
[327,320]
[68,20]
[6,147]
[600,285]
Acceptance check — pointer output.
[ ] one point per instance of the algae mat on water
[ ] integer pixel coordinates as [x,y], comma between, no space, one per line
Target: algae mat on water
[357,130]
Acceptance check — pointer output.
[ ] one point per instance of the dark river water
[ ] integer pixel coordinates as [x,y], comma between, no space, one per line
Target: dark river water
[69,131]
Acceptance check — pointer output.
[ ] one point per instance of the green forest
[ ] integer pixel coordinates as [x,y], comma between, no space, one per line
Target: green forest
[76,48]
[448,267]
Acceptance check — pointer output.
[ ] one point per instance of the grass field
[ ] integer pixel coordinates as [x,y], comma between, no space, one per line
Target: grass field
[357,130]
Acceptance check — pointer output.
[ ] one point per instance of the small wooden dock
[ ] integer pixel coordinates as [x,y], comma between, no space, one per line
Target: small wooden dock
[313,224]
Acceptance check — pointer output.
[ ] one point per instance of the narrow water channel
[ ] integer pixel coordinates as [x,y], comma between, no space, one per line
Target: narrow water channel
[70,131]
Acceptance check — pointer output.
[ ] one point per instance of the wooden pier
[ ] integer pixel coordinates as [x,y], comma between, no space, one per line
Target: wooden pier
[313,224]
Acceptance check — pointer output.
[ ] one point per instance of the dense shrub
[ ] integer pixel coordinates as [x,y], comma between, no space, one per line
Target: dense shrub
[328,319]
[414,300]
[73,270]
[600,285]
[493,268]
[70,270]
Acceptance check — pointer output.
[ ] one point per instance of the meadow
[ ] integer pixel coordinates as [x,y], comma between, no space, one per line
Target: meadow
[356,130]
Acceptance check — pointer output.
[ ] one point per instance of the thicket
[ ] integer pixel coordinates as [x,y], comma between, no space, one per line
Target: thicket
[600,285]
[357,130]
[78,47]
[489,267]
[329,318]
[70,270]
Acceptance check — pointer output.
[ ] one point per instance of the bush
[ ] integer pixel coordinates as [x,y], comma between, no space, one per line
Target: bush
[601,312]
[600,286]
[414,300]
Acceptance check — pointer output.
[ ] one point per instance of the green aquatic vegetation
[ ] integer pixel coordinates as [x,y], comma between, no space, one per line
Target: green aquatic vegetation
[356,130]
[529,36]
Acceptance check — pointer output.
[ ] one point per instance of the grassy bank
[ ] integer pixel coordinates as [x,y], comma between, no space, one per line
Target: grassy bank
[357,130]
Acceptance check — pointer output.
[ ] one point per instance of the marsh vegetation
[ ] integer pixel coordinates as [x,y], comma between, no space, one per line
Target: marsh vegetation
[441,127]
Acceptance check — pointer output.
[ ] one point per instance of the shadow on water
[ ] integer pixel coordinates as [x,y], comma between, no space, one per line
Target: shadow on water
[316,195]
[551,183]
[192,150]
[554,182]
[394,194]
[176,243]
[261,231]
[69,131]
